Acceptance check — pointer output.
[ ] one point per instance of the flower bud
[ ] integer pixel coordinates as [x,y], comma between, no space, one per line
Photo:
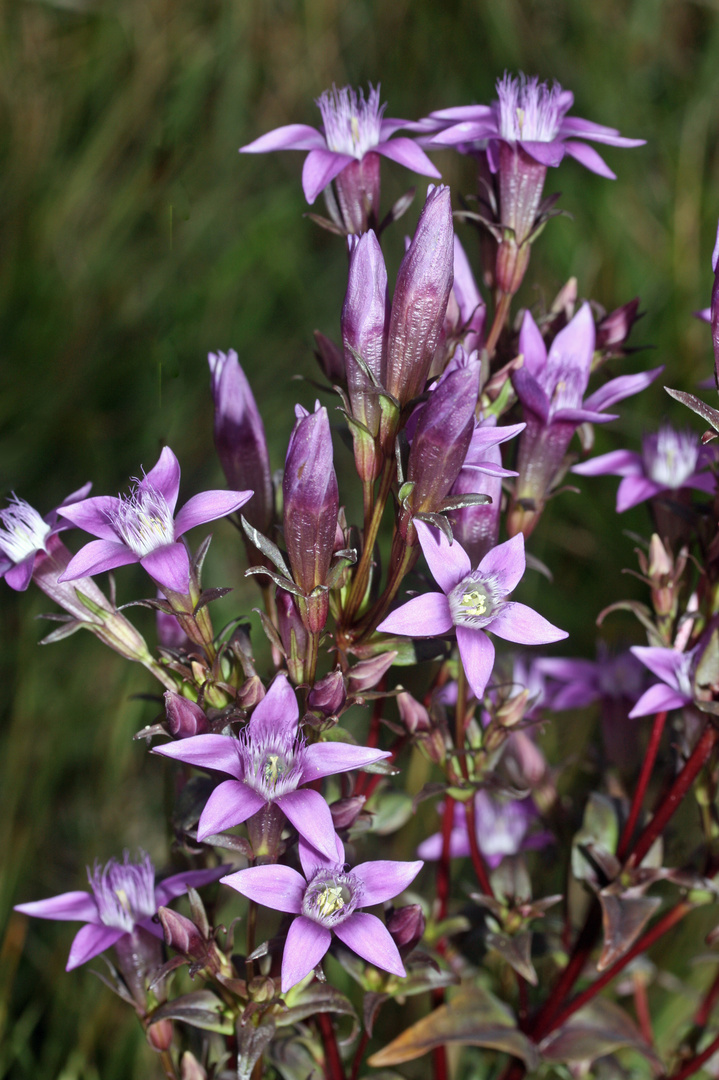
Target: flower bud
[169,632]
[476,528]
[159,1035]
[420,299]
[346,811]
[182,935]
[412,713]
[184,718]
[190,1068]
[292,634]
[364,325]
[367,673]
[251,692]
[614,329]
[330,358]
[406,925]
[328,695]
[358,192]
[240,437]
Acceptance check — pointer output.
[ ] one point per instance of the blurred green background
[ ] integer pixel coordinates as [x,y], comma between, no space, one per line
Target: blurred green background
[133,239]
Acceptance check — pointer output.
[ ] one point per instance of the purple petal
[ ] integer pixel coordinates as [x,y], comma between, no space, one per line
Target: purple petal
[273,886]
[546,153]
[19,576]
[664,663]
[531,345]
[635,489]
[169,565]
[329,758]
[525,626]
[311,859]
[530,393]
[431,848]
[90,941]
[165,477]
[621,387]
[217,752]
[310,815]
[94,515]
[573,347]
[306,944]
[448,563]
[69,905]
[589,158]
[659,698]
[581,416]
[616,463]
[588,129]
[467,131]
[702,482]
[423,616]
[231,803]
[506,563]
[477,653]
[389,125]
[384,879]
[288,137]
[320,169]
[97,556]
[178,884]
[369,938]
[277,714]
[207,506]
[406,152]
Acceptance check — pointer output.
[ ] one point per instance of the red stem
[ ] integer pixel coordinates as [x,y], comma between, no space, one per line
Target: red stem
[644,777]
[477,861]
[696,1062]
[707,1006]
[443,866]
[359,1054]
[583,947]
[333,1062]
[641,1005]
[678,790]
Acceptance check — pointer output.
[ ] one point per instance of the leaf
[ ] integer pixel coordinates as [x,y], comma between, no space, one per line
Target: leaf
[370,1009]
[598,1029]
[696,405]
[597,837]
[63,631]
[474,1017]
[641,611]
[285,583]
[208,596]
[517,951]
[397,209]
[251,1044]
[623,919]
[266,546]
[317,998]
[325,223]
[200,1009]
[199,556]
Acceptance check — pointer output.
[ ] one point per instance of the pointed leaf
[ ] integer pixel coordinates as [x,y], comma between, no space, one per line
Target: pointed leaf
[623,919]
[266,546]
[251,1044]
[596,1030]
[696,405]
[200,1009]
[517,951]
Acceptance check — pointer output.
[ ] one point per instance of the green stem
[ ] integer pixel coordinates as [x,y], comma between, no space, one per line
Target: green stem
[361,574]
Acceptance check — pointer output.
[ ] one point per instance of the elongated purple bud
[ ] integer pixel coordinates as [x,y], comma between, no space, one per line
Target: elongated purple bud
[240,437]
[330,358]
[367,673]
[364,326]
[311,500]
[184,718]
[328,695]
[420,298]
[293,635]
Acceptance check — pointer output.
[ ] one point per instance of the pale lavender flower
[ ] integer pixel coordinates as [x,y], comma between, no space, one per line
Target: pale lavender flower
[141,527]
[675,669]
[268,764]
[472,602]
[582,682]
[670,460]
[124,897]
[326,899]
[25,534]
[502,827]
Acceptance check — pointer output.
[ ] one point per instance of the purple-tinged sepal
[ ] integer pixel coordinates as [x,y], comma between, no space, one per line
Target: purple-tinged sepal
[328,695]
[184,718]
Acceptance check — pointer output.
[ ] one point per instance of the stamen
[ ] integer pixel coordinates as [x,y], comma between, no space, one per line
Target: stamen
[144,520]
[529,109]
[351,124]
[331,896]
[124,892]
[670,457]
[25,531]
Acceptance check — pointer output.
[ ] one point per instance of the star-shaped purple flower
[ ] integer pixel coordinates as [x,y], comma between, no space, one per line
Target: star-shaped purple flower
[24,535]
[502,827]
[676,671]
[269,763]
[326,900]
[669,460]
[124,896]
[351,128]
[472,601]
[141,527]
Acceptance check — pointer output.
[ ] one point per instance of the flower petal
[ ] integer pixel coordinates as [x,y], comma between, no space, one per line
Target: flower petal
[69,905]
[218,752]
[615,463]
[19,576]
[306,944]
[422,616]
[531,345]
[287,137]
[384,879]
[329,758]
[659,698]
[620,388]
[530,393]
[277,714]
[273,886]
[546,153]
[589,158]
[310,815]
[96,557]
[319,170]
[406,152]
[165,477]
[431,848]
[506,563]
[311,859]
[448,563]
[477,653]
[208,506]
[169,565]
[368,937]
[635,489]
[525,626]
[231,803]
[178,884]
[664,663]
[94,515]
[90,941]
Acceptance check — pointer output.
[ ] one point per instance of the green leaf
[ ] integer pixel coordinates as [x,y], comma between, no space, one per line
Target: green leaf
[200,1009]
[598,835]
[251,1044]
[598,1029]
[696,405]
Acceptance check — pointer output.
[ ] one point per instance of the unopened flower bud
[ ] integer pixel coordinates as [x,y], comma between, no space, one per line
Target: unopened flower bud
[184,717]
[182,935]
[190,1068]
[169,632]
[364,326]
[159,1035]
[346,811]
[412,713]
[328,695]
[358,192]
[330,358]
[367,673]
[251,692]
[614,329]
[406,925]
[292,634]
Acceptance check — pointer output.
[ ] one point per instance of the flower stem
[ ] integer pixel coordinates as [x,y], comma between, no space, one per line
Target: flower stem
[642,784]
[696,1063]
[361,575]
[333,1061]
[500,317]
[477,861]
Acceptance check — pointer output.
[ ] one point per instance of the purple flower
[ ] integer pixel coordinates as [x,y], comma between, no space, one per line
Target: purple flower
[676,671]
[124,896]
[269,763]
[502,827]
[24,535]
[669,460]
[582,682]
[327,899]
[466,310]
[472,601]
[352,129]
[139,527]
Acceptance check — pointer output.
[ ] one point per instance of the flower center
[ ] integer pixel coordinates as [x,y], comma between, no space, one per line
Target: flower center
[25,531]
[670,457]
[530,110]
[351,124]
[124,892]
[272,765]
[144,520]
[473,602]
[331,896]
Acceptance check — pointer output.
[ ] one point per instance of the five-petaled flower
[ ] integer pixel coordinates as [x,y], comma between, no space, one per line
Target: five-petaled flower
[502,826]
[24,535]
[472,601]
[326,900]
[675,669]
[124,897]
[141,527]
[269,763]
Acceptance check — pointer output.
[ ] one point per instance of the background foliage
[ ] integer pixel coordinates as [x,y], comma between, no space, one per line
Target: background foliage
[134,240]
